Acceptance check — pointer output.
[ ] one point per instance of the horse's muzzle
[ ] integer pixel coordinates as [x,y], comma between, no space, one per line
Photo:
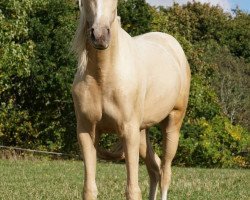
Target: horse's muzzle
[100,37]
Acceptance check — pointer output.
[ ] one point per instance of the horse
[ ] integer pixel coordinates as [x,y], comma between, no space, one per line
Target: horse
[125,85]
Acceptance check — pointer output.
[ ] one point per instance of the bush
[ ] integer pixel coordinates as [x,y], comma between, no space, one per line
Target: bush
[36,74]
[212,143]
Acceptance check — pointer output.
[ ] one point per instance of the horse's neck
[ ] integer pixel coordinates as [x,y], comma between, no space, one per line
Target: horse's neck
[100,62]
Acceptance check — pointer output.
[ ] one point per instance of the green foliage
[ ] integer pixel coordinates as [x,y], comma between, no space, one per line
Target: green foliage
[108,141]
[230,81]
[135,16]
[213,142]
[197,21]
[36,72]
[237,36]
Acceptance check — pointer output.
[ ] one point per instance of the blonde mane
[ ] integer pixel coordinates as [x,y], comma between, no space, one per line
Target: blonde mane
[79,42]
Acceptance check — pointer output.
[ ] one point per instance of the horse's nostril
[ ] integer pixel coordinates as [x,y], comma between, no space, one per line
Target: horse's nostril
[92,33]
[108,31]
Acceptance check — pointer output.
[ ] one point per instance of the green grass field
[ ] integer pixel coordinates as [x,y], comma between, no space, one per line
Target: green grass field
[59,180]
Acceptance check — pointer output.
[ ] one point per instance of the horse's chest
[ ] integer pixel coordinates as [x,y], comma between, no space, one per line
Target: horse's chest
[87,100]
[92,104]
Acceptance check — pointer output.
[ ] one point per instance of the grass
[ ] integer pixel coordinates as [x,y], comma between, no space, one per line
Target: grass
[59,180]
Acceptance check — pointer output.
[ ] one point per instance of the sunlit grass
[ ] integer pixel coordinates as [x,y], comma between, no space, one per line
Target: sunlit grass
[52,180]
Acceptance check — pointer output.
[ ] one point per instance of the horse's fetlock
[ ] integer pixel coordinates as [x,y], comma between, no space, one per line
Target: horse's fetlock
[90,193]
[133,193]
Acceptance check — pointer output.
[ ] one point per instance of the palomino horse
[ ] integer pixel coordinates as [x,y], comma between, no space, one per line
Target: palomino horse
[126,85]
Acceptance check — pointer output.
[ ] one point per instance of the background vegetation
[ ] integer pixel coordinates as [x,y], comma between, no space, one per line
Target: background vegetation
[36,72]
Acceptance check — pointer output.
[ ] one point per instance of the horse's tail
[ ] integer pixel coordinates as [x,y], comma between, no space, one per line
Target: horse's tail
[116,154]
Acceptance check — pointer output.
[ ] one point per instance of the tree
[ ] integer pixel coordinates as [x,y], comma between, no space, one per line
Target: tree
[135,16]
[237,35]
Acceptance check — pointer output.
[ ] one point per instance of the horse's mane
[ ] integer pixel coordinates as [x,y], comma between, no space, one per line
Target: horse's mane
[79,42]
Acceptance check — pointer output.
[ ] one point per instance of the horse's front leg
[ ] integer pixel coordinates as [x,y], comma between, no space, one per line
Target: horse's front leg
[131,140]
[85,139]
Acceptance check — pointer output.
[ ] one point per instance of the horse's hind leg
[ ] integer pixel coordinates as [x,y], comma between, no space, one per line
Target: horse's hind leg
[170,130]
[152,162]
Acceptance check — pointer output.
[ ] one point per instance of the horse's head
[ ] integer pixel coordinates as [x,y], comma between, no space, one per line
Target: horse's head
[99,15]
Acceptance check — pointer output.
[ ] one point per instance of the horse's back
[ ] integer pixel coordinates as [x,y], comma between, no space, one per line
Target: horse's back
[166,43]
[166,46]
